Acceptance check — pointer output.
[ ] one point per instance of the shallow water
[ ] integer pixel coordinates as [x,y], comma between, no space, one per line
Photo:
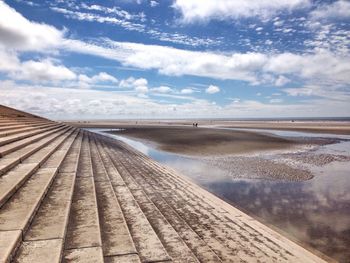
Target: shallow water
[314,212]
[285,133]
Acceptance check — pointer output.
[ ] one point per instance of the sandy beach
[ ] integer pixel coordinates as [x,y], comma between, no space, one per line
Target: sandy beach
[207,141]
[241,154]
[212,141]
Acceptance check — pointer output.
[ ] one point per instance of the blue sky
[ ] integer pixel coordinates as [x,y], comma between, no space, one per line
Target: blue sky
[176,58]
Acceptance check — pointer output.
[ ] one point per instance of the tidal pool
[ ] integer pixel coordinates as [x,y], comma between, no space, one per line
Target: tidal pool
[315,213]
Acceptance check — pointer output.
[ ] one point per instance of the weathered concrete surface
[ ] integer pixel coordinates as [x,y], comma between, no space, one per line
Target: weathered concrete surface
[39,251]
[84,255]
[68,195]
[9,241]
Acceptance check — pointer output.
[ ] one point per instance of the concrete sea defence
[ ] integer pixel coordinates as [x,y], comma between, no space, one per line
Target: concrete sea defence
[69,195]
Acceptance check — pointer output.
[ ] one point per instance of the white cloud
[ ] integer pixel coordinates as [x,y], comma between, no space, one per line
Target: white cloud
[63,103]
[104,77]
[235,100]
[139,85]
[187,91]
[43,71]
[91,17]
[177,62]
[162,89]
[33,70]
[153,3]
[131,82]
[8,60]
[141,89]
[17,32]
[212,89]
[110,10]
[204,10]
[276,100]
[331,93]
[127,21]
[182,38]
[74,103]
[250,67]
[322,64]
[140,82]
[281,81]
[278,23]
[318,65]
[86,82]
[304,91]
[47,71]
[339,9]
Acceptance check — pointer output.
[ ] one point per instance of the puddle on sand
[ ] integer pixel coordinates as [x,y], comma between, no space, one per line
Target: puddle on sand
[315,212]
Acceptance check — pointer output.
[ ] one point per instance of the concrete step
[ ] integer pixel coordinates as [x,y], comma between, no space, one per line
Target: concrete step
[83,255]
[176,235]
[130,258]
[116,239]
[198,220]
[20,136]
[39,251]
[113,174]
[17,213]
[147,243]
[150,184]
[233,236]
[51,219]
[11,160]
[11,147]
[9,242]
[175,246]
[84,227]
[16,202]
[70,163]
[7,123]
[23,129]
[59,155]
[11,181]
[15,126]
[49,149]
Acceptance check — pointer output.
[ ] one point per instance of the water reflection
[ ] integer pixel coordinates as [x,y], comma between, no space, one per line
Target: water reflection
[315,212]
[285,133]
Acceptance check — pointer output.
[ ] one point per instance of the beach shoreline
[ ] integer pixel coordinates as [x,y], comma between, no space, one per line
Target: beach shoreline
[214,141]
[329,127]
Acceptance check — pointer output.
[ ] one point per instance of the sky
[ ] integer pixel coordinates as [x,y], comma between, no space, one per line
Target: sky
[144,59]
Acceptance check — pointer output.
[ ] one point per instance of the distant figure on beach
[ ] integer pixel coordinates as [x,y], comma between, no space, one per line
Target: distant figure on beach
[196,124]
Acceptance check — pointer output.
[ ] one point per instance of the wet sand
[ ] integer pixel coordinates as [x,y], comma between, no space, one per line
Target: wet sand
[242,154]
[331,127]
[207,141]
